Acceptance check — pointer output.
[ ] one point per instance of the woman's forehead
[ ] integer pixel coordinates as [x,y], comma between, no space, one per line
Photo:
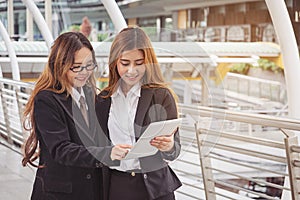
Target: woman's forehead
[83,55]
[132,54]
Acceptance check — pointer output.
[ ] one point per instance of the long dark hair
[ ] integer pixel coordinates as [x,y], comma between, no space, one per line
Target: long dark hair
[54,78]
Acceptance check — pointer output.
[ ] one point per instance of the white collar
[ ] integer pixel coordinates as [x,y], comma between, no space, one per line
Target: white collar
[76,95]
[135,90]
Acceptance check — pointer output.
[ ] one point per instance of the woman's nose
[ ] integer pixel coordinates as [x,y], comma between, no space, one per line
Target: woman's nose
[130,69]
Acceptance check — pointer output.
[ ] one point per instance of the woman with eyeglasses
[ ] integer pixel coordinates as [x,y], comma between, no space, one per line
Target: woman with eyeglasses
[137,95]
[65,135]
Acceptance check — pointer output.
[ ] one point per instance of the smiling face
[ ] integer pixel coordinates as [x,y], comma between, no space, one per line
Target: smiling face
[131,68]
[82,57]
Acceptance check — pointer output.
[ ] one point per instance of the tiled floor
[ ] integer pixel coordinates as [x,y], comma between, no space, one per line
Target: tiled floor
[15,180]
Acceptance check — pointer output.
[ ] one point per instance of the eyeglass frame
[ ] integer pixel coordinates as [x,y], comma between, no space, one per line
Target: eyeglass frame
[83,67]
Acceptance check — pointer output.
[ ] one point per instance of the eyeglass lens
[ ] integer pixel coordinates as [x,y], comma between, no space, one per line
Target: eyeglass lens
[88,67]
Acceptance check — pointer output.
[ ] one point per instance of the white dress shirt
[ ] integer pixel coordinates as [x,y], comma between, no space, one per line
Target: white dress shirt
[76,96]
[121,122]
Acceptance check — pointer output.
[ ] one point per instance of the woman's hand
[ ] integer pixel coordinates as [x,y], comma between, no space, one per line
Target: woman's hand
[163,143]
[119,151]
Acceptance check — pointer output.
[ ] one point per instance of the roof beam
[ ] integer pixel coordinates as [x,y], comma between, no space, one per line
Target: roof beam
[205,3]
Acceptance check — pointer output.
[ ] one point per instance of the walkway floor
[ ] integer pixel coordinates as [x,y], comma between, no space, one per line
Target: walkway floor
[15,180]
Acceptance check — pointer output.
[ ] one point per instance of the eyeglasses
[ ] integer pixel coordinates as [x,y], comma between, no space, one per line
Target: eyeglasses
[88,67]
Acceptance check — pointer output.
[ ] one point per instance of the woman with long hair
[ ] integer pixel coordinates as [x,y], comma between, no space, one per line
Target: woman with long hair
[64,133]
[137,95]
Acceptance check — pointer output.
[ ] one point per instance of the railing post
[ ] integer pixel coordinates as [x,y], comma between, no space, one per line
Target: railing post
[294,173]
[17,91]
[205,162]
[6,116]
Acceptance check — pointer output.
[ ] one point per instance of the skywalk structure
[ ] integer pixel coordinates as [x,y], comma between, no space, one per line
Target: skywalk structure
[227,154]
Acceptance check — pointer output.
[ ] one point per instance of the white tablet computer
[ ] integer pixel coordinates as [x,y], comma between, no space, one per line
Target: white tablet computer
[142,147]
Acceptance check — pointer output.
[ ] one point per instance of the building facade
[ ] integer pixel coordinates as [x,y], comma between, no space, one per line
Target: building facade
[164,20]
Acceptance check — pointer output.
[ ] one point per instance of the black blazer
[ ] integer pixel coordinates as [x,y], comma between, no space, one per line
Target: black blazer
[155,104]
[73,163]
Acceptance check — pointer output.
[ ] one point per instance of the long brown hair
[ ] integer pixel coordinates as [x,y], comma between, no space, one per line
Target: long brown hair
[54,78]
[129,39]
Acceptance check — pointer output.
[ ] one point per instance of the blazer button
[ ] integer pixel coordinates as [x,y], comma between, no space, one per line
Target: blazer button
[88,176]
[145,176]
[98,165]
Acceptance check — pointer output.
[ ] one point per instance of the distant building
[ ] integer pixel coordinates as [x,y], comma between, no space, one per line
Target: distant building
[176,20]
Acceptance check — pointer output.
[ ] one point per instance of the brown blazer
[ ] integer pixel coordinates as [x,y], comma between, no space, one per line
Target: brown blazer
[155,104]
[73,163]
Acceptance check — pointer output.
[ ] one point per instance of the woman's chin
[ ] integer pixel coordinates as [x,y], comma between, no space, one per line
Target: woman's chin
[79,83]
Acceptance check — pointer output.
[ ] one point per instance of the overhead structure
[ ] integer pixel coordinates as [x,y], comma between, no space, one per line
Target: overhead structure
[115,14]
[40,21]
[11,52]
[32,56]
[287,41]
[289,50]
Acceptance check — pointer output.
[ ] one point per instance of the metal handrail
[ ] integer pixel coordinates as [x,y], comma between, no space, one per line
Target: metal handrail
[14,95]
[238,116]
[255,87]
[228,143]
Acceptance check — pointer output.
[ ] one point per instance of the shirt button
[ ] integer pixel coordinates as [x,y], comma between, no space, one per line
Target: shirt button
[145,176]
[88,176]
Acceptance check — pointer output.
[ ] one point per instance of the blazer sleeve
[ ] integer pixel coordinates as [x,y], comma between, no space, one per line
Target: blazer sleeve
[54,131]
[170,112]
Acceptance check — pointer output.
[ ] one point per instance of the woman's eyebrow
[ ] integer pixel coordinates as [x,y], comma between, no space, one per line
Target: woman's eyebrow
[126,60]
[82,62]
[122,59]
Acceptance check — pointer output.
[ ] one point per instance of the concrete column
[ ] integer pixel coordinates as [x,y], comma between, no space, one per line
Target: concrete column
[158,28]
[48,13]
[189,18]
[10,17]
[29,25]
[55,25]
[175,20]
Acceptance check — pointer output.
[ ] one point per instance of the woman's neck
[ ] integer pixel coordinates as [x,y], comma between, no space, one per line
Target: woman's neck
[125,89]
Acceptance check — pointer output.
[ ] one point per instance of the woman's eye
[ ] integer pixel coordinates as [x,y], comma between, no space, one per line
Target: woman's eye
[139,63]
[125,64]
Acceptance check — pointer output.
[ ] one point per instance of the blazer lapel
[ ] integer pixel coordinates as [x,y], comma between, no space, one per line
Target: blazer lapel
[102,109]
[93,122]
[142,108]
[74,112]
